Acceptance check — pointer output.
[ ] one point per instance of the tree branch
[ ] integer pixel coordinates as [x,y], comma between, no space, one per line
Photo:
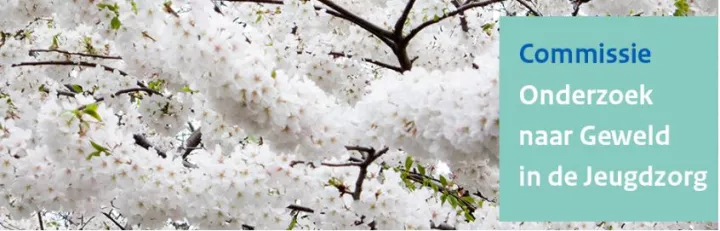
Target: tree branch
[441,226]
[401,21]
[59,92]
[87,222]
[74,53]
[280,2]
[40,220]
[576,6]
[463,20]
[371,156]
[113,220]
[141,141]
[462,9]
[192,142]
[341,165]
[69,63]
[530,8]
[378,63]
[372,28]
[301,208]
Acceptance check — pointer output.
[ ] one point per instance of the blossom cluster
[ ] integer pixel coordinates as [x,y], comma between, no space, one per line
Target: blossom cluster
[301,115]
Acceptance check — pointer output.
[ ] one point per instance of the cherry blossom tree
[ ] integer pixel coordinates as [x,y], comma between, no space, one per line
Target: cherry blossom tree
[263,114]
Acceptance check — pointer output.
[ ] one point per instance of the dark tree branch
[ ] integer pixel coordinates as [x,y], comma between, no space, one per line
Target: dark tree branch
[372,28]
[113,220]
[87,222]
[378,63]
[463,20]
[462,9]
[530,8]
[393,39]
[131,90]
[191,127]
[371,156]
[280,2]
[576,6]
[441,226]
[69,63]
[141,141]
[401,21]
[296,162]
[74,53]
[60,92]
[301,208]
[125,91]
[359,149]
[341,165]
[192,142]
[40,220]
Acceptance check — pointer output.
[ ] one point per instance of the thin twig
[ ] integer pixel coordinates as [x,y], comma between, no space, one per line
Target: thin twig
[280,2]
[378,63]
[462,9]
[69,63]
[113,220]
[87,222]
[530,8]
[301,208]
[74,53]
[370,27]
[341,165]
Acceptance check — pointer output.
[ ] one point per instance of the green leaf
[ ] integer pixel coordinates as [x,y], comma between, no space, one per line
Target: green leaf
[273,74]
[469,217]
[259,18]
[253,139]
[91,110]
[443,198]
[187,89]
[87,44]
[409,184]
[436,18]
[335,182]
[98,147]
[453,201]
[434,187]
[115,23]
[292,223]
[421,169]
[156,85]
[683,8]
[55,44]
[93,154]
[488,27]
[443,181]
[114,8]
[408,163]
[469,199]
[77,88]
[481,203]
[134,7]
